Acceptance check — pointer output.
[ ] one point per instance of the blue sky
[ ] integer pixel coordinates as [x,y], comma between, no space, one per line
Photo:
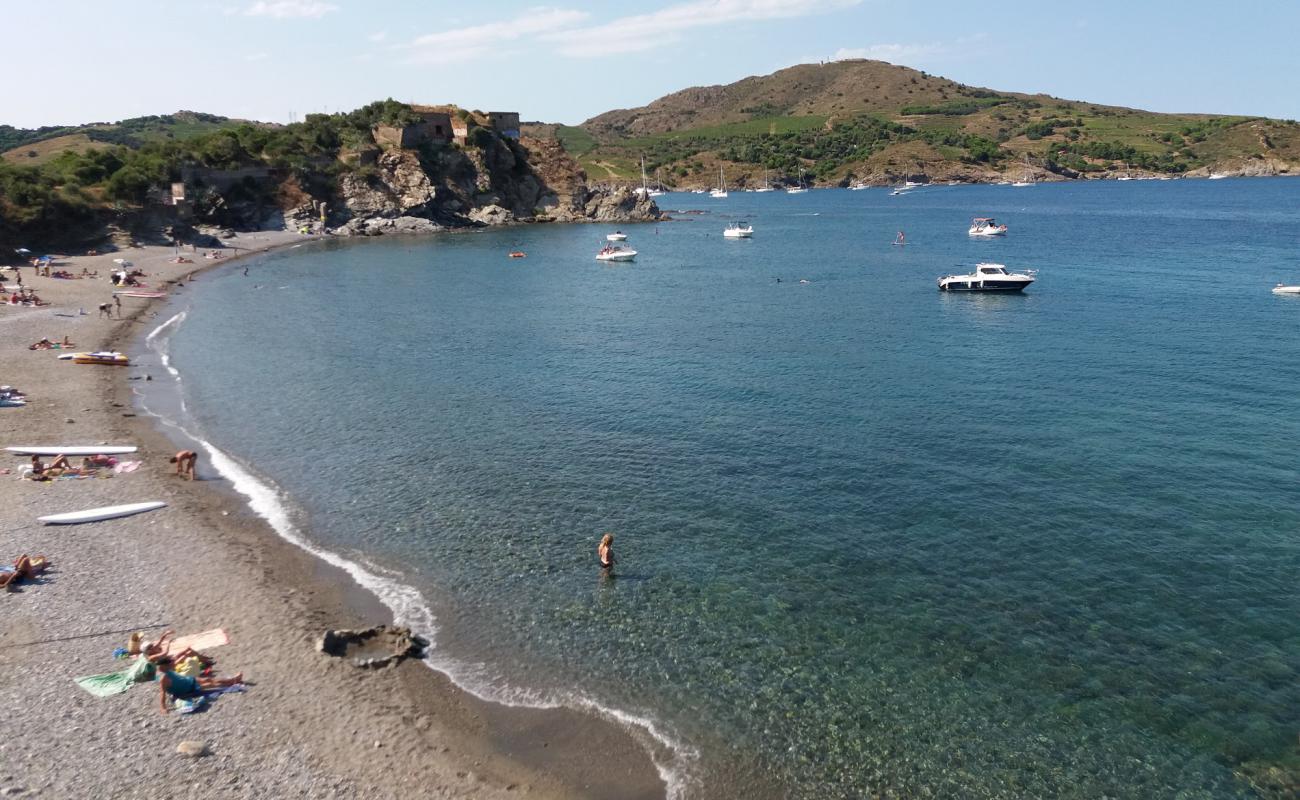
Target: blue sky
[71,61]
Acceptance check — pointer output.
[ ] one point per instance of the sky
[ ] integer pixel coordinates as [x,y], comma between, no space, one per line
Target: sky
[76,61]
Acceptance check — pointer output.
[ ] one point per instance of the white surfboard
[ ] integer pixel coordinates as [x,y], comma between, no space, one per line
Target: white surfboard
[97,514]
[75,450]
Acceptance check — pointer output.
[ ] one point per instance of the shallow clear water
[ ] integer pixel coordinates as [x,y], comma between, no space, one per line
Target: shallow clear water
[872,537]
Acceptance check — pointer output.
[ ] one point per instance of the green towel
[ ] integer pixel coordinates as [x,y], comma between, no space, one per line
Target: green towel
[111,683]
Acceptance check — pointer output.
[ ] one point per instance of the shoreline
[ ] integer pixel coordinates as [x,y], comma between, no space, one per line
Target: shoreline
[398,732]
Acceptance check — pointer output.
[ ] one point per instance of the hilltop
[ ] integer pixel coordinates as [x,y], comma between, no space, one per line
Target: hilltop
[870,121]
[386,167]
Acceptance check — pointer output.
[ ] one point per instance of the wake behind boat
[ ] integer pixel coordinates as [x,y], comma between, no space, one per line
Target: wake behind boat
[986,278]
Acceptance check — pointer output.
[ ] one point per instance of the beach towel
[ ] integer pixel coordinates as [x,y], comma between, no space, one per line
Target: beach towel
[111,683]
[188,705]
[127,466]
[199,641]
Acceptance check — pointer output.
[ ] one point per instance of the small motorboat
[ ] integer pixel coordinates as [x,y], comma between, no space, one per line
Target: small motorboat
[1282,288]
[616,236]
[739,230]
[615,253]
[518,254]
[986,226]
[113,359]
[986,278]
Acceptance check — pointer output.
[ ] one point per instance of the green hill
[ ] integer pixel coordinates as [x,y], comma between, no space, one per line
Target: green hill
[862,120]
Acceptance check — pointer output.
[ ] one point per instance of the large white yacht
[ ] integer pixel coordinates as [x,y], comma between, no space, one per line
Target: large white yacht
[739,230]
[986,278]
[986,226]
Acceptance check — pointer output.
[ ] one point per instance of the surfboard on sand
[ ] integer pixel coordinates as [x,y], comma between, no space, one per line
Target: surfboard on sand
[74,450]
[102,513]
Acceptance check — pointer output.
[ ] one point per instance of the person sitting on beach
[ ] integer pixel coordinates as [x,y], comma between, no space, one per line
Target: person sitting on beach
[185,461]
[183,687]
[605,552]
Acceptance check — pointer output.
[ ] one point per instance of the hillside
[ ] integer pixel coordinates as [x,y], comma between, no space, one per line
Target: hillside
[35,145]
[158,177]
[874,122]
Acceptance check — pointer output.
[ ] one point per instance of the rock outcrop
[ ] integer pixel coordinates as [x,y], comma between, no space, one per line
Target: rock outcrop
[493,181]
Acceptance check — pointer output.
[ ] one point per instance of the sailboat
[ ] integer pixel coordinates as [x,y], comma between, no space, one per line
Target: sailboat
[721,191]
[658,190]
[766,186]
[1026,179]
[801,188]
[644,189]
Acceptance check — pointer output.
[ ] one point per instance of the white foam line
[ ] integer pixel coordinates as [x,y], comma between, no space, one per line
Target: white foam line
[409,608]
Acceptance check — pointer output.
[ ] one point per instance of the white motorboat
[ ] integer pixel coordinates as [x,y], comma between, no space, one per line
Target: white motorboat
[899,190]
[615,253]
[739,230]
[1284,289]
[986,226]
[1215,176]
[986,278]
[857,187]
[616,236]
[721,191]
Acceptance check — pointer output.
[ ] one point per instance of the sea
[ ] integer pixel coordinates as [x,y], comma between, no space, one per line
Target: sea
[873,539]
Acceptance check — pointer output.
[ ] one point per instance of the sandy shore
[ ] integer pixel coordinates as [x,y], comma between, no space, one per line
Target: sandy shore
[309,726]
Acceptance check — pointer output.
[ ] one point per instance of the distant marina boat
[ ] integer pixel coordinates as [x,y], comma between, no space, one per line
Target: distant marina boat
[1217,176]
[658,189]
[615,253]
[616,236]
[801,188]
[1284,289]
[986,278]
[766,187]
[739,230]
[721,191]
[858,186]
[986,226]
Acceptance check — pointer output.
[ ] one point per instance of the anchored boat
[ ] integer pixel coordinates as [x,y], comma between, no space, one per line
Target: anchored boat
[986,278]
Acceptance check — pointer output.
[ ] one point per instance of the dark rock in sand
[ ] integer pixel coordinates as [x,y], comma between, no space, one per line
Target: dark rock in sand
[372,648]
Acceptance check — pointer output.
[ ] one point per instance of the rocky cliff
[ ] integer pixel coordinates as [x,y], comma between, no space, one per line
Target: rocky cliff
[495,181]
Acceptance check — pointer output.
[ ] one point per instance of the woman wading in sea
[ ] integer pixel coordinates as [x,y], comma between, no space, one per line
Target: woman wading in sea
[605,552]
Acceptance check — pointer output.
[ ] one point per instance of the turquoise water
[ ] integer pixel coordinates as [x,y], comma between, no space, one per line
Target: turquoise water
[872,538]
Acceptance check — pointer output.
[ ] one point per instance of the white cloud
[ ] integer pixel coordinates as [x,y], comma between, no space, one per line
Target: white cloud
[465,44]
[647,31]
[378,37]
[257,56]
[289,9]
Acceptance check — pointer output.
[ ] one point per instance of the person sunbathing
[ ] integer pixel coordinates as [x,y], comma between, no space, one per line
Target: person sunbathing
[58,467]
[137,645]
[25,567]
[184,687]
[43,344]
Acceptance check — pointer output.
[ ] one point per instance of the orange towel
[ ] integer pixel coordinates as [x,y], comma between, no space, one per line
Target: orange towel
[199,641]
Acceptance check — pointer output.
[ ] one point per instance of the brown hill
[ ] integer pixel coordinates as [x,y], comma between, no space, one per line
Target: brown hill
[836,88]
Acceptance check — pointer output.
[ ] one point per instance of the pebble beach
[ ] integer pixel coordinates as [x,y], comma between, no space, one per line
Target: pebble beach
[307,725]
